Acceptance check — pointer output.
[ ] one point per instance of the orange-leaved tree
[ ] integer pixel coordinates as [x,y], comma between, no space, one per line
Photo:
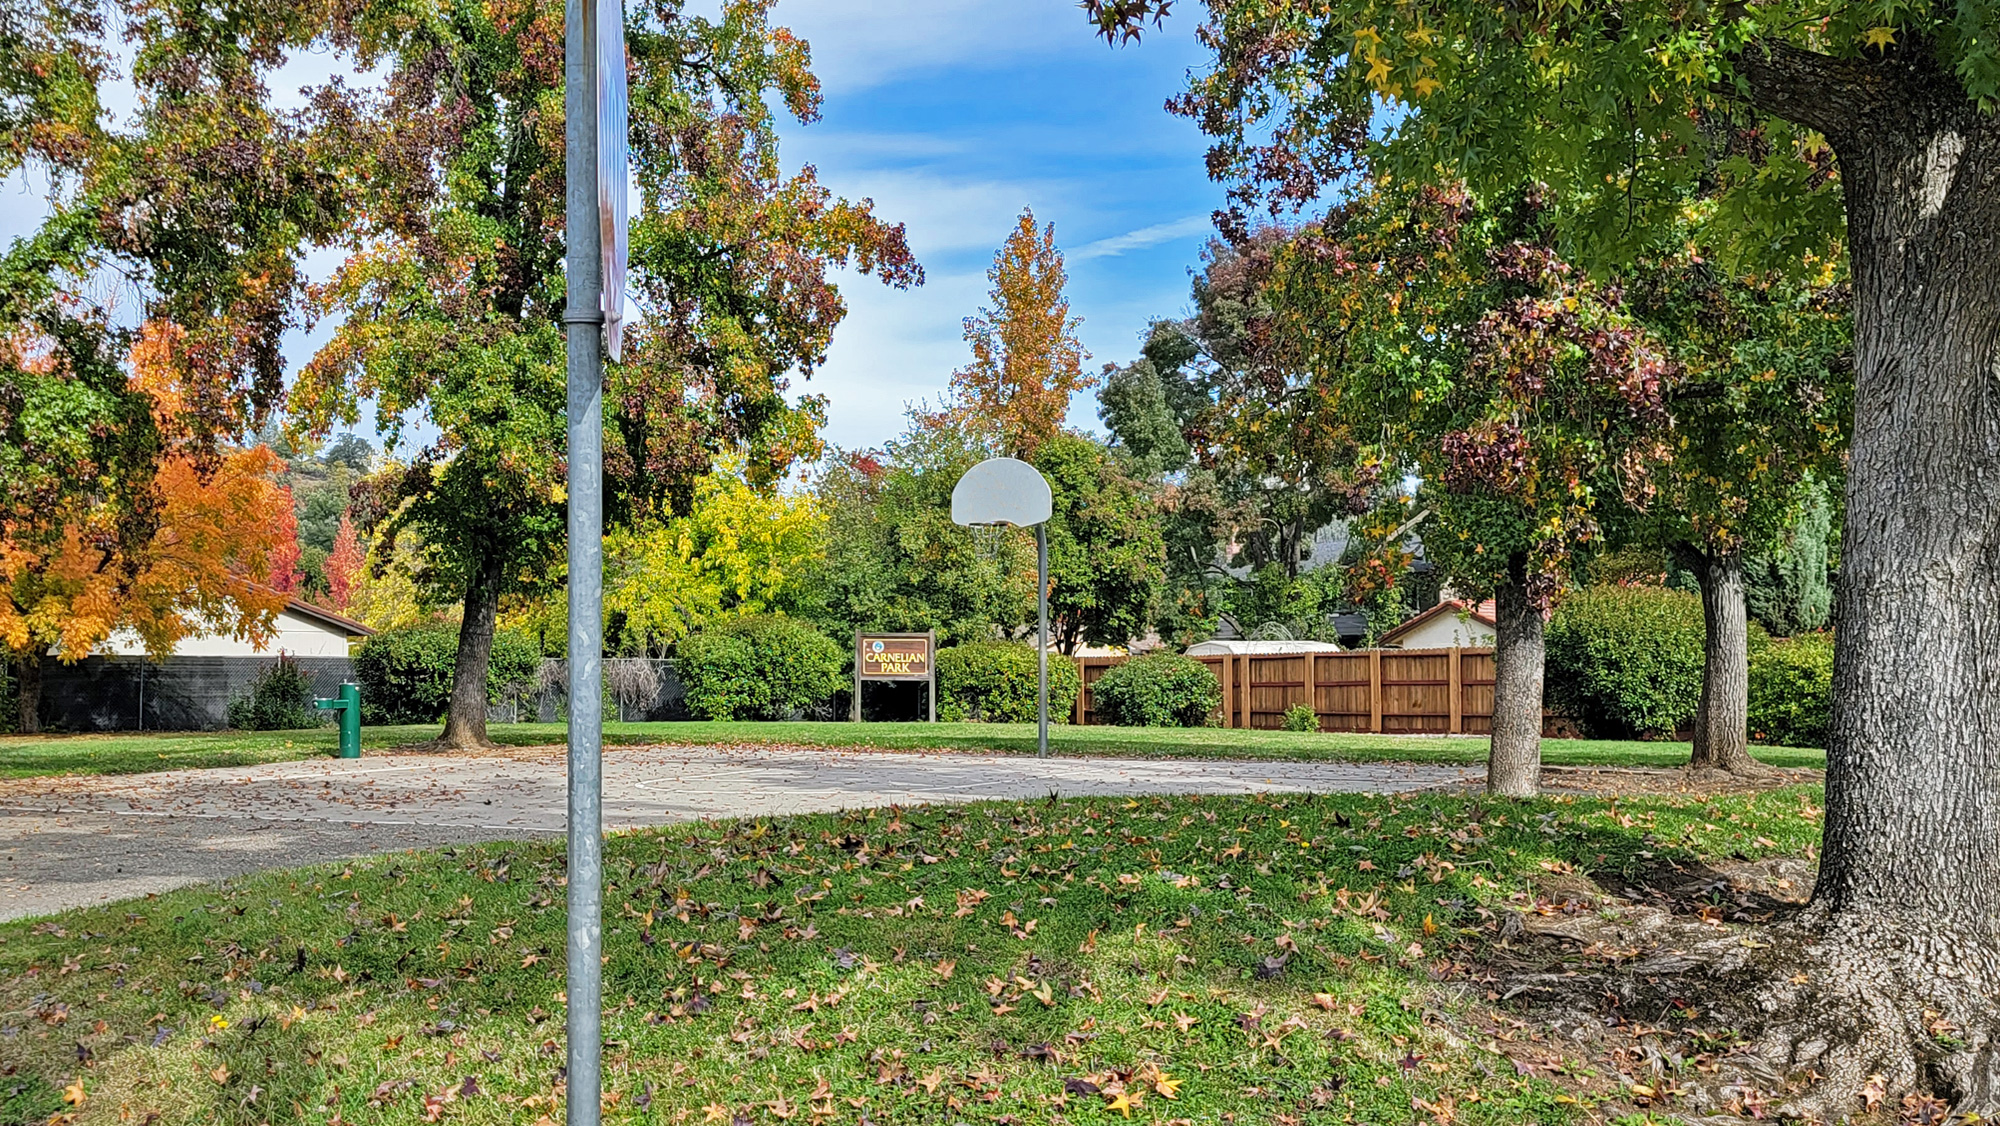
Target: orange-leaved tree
[1026,359]
[343,565]
[218,529]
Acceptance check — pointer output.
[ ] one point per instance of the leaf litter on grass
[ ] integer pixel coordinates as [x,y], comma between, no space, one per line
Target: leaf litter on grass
[1282,959]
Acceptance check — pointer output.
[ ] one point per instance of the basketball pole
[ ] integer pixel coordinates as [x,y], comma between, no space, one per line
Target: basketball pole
[1042,650]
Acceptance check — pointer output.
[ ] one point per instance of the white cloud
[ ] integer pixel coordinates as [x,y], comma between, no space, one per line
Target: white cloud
[1141,238]
[862,43]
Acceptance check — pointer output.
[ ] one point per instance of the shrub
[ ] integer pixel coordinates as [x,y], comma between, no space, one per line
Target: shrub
[1163,690]
[766,667]
[1626,661]
[996,682]
[280,699]
[1791,690]
[1301,717]
[405,674]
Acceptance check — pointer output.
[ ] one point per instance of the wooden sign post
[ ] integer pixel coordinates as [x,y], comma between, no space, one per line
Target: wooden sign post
[895,656]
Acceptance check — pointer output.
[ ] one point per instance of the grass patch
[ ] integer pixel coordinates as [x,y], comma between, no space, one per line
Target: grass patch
[37,756]
[1276,959]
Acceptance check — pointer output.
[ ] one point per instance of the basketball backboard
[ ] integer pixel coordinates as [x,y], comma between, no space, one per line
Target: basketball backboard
[1002,491]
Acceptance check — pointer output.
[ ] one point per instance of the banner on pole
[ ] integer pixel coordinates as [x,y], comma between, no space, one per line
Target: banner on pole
[612,162]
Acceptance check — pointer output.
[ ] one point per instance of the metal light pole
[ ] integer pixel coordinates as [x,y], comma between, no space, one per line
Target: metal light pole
[583,319]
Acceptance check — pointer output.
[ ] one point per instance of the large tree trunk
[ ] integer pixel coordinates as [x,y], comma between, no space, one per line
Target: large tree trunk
[465,722]
[1514,757]
[1722,720]
[28,695]
[1904,912]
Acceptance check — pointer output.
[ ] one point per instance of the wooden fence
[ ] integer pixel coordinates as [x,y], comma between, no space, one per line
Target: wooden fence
[1393,691]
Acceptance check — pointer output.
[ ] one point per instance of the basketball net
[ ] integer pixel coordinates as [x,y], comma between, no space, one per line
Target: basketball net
[988,539]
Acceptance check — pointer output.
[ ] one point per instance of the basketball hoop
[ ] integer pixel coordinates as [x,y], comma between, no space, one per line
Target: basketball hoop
[1002,493]
[988,540]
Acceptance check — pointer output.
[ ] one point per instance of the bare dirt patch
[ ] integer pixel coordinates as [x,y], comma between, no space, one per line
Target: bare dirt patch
[1619,781]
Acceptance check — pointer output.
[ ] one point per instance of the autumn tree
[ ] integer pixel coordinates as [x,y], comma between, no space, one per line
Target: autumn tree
[1820,128]
[343,564]
[217,534]
[452,309]
[1521,395]
[1762,398]
[1026,360]
[200,201]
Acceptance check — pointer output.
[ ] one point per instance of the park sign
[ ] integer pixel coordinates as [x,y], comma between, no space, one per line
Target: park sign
[612,164]
[895,656]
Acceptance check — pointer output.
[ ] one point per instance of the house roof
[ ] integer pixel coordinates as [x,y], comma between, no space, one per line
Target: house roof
[1221,646]
[324,616]
[1482,613]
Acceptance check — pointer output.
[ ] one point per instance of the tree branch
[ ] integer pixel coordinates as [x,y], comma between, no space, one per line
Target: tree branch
[1811,89]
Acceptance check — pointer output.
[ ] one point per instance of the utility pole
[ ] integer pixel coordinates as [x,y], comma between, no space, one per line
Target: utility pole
[583,321]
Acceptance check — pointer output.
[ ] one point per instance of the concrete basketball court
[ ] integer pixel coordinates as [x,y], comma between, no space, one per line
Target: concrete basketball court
[71,842]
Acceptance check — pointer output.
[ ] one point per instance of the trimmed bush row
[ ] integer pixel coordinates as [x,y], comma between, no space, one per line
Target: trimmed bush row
[765,667]
[1625,662]
[1791,690]
[996,682]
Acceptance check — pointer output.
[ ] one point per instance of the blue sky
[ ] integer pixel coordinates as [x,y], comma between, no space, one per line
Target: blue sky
[952,115]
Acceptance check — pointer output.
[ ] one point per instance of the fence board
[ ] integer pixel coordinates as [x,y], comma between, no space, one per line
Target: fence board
[1393,691]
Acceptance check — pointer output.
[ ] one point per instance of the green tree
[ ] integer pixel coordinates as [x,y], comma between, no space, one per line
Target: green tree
[1216,408]
[1106,555]
[1818,128]
[895,561]
[1786,586]
[452,308]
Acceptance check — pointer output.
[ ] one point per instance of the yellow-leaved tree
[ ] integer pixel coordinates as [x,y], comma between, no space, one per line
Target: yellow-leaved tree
[740,550]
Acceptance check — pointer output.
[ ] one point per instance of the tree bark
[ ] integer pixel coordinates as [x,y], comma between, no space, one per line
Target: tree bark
[1913,761]
[465,722]
[1904,905]
[28,695]
[1722,720]
[1514,757]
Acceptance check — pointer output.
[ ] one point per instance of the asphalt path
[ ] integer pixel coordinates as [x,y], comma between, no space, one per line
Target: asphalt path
[78,841]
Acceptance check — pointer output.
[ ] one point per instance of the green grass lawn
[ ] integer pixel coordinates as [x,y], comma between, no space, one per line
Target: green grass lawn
[35,756]
[1276,959]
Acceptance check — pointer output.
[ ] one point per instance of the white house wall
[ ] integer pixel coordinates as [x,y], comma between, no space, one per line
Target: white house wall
[1448,631]
[297,635]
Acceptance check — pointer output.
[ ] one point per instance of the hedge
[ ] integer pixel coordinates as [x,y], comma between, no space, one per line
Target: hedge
[997,681]
[1626,661]
[765,667]
[405,674]
[1162,690]
[1791,690]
